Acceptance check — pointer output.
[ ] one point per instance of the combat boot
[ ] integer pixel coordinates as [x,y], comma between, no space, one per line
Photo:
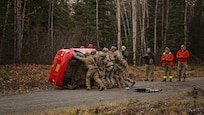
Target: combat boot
[170,77]
[184,78]
[146,79]
[88,88]
[164,80]
[101,88]
[133,83]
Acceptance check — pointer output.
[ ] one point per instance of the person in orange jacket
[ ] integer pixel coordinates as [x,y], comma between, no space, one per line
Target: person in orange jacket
[167,59]
[182,56]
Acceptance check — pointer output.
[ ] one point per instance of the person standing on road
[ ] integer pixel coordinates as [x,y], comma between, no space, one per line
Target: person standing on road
[182,56]
[167,59]
[149,64]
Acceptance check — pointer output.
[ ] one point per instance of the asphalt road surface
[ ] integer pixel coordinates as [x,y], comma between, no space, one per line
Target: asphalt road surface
[58,98]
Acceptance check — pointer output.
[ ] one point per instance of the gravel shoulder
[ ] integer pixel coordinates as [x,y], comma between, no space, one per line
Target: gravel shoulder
[61,98]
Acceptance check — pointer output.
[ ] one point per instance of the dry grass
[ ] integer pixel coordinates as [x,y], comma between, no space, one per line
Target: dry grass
[24,78]
[183,105]
[138,72]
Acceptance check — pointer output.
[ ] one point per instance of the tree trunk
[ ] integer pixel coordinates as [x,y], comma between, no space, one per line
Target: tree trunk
[155,28]
[19,33]
[52,27]
[143,29]
[162,24]
[126,17]
[6,18]
[134,29]
[19,23]
[147,13]
[15,31]
[49,20]
[97,36]
[185,22]
[4,28]
[124,26]
[119,26]
[166,21]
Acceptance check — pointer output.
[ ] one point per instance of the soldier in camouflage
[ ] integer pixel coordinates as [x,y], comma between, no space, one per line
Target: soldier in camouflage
[108,65]
[124,75]
[92,71]
[117,57]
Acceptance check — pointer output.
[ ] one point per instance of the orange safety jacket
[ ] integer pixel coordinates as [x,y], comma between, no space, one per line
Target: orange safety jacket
[182,56]
[170,60]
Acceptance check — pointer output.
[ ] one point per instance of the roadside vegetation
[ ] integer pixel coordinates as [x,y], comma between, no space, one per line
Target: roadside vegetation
[26,78]
[175,105]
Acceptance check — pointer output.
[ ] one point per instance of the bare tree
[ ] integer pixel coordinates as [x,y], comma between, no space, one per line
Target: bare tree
[185,22]
[124,26]
[4,26]
[166,21]
[134,29]
[126,16]
[143,27]
[162,21]
[52,26]
[155,27]
[97,36]
[119,42]
[18,41]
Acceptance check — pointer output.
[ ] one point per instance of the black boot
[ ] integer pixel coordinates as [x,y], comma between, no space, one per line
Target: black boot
[101,88]
[164,80]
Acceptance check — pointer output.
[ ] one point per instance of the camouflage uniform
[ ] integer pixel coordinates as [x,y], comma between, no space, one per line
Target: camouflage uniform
[117,73]
[124,69]
[92,71]
[108,64]
[101,68]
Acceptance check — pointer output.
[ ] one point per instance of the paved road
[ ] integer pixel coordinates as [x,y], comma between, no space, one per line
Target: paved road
[40,101]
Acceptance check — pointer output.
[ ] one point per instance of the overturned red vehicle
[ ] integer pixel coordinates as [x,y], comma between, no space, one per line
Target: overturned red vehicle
[66,71]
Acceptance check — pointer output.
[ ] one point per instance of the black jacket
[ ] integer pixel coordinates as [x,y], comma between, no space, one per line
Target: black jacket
[148,57]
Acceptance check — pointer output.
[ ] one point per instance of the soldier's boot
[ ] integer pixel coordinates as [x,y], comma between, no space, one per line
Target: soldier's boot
[117,81]
[184,77]
[133,83]
[88,88]
[101,88]
[164,80]
[99,81]
[147,79]
[170,78]
[179,76]
[179,79]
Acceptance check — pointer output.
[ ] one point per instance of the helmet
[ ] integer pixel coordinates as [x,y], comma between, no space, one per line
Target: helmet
[105,49]
[90,45]
[113,48]
[93,52]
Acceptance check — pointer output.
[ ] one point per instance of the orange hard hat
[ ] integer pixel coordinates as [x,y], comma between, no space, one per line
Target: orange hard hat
[90,45]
